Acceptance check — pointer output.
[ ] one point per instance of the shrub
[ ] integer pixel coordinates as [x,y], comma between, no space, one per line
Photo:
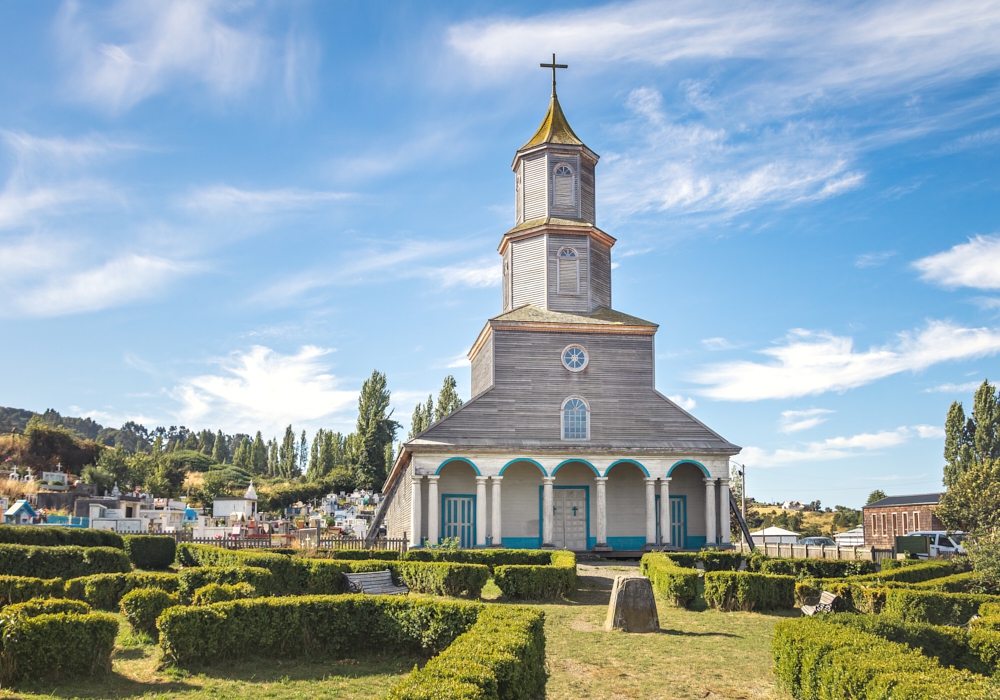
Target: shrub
[965,582]
[61,562]
[58,536]
[349,554]
[674,584]
[534,582]
[744,590]
[222,592]
[17,589]
[54,646]
[150,551]
[300,626]
[815,568]
[283,568]
[685,560]
[989,609]
[933,607]
[490,557]
[501,656]
[200,576]
[715,560]
[46,606]
[105,591]
[924,571]
[142,606]
[889,564]
[815,659]
[438,578]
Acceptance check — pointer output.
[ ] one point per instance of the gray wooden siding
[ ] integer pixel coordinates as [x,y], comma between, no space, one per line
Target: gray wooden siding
[506,281]
[528,272]
[482,368]
[600,275]
[535,184]
[588,207]
[572,209]
[397,518]
[558,298]
[530,385]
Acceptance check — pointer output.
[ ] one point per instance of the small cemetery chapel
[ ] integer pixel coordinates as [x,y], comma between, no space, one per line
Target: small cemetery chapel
[566,442]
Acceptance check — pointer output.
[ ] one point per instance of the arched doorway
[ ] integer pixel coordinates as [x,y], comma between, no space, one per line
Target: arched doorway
[457,494]
[626,504]
[518,509]
[687,505]
[572,506]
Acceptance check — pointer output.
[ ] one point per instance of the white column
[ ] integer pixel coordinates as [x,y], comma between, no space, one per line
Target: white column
[710,512]
[650,512]
[724,511]
[415,512]
[433,510]
[480,511]
[497,523]
[602,511]
[547,506]
[665,511]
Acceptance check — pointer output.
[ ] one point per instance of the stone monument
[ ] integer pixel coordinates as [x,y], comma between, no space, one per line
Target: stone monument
[632,607]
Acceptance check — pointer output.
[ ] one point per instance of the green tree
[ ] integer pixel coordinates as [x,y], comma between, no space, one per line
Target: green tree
[972,440]
[206,442]
[258,455]
[272,457]
[303,453]
[98,476]
[972,502]
[448,399]
[876,495]
[288,459]
[315,469]
[423,417]
[375,430]
[115,462]
[141,467]
[986,417]
[220,452]
[243,455]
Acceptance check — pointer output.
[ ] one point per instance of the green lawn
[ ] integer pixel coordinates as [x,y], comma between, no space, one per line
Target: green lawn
[698,654]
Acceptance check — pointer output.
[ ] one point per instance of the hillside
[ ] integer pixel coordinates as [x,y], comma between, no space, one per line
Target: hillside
[16,419]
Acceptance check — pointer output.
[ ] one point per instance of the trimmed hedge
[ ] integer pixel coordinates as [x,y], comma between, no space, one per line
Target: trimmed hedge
[813,568]
[348,554]
[502,656]
[222,592]
[18,589]
[47,606]
[538,582]
[61,561]
[956,583]
[888,564]
[142,606]
[151,551]
[933,607]
[310,626]
[674,584]
[989,609]
[53,536]
[744,590]
[105,591]
[49,646]
[815,659]
[715,560]
[190,580]
[490,557]
[924,571]
[285,569]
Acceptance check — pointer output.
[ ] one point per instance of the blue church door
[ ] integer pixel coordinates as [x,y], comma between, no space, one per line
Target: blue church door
[678,517]
[460,519]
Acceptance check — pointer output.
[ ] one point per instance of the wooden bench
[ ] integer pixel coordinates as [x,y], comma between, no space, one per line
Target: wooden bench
[374,583]
[828,603]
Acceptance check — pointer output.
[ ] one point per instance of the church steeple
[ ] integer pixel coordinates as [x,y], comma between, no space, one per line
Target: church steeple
[554,129]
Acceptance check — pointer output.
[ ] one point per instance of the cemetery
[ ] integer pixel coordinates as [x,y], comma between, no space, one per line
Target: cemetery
[96,614]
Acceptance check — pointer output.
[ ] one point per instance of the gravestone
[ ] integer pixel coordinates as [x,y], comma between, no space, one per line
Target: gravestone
[632,607]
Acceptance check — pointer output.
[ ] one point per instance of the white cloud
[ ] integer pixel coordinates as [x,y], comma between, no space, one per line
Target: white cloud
[685,402]
[974,264]
[137,49]
[873,259]
[809,363]
[976,140]
[953,388]
[264,388]
[223,199]
[838,447]
[474,274]
[718,344]
[796,421]
[460,360]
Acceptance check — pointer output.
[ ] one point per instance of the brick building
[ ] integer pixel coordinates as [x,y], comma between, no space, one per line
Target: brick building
[895,516]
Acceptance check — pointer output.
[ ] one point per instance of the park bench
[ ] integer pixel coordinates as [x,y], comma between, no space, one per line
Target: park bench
[828,602]
[374,583]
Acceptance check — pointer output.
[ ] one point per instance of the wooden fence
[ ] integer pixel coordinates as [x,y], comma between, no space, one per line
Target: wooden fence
[397,544]
[803,551]
[226,542]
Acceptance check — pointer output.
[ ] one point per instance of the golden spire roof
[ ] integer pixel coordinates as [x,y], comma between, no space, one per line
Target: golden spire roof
[554,128]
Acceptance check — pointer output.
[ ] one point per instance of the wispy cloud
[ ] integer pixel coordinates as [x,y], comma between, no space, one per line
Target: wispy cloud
[979,139]
[873,259]
[974,264]
[838,447]
[685,402]
[797,421]
[718,344]
[224,199]
[262,387]
[807,363]
[460,360]
[965,387]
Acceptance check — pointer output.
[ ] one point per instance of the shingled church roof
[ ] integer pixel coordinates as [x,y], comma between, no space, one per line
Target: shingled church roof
[554,129]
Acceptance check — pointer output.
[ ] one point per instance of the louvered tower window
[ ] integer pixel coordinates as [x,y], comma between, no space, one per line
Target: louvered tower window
[567,272]
[563,188]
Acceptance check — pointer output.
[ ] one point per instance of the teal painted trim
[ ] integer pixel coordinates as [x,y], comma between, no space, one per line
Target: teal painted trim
[458,459]
[628,461]
[629,543]
[694,542]
[586,517]
[522,542]
[570,461]
[442,511]
[689,461]
[514,461]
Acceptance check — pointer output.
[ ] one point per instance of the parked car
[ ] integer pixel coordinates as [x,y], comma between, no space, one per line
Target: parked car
[941,543]
[817,542]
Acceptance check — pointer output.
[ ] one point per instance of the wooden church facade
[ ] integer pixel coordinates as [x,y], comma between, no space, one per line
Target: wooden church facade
[565,442]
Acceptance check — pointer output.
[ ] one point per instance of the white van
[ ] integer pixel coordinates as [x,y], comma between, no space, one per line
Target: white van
[941,543]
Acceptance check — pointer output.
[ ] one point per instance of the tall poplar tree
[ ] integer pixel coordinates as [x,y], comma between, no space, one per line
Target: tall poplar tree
[974,440]
[303,453]
[423,417]
[448,399]
[315,469]
[258,455]
[287,457]
[272,457]
[375,430]
[219,451]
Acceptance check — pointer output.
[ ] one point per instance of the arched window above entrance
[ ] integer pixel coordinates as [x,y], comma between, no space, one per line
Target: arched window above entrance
[575,419]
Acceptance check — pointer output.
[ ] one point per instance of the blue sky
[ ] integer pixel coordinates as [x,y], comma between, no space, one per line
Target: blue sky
[226,214]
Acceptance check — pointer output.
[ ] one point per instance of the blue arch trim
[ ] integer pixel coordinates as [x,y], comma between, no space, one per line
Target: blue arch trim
[523,459]
[458,459]
[581,461]
[689,461]
[628,461]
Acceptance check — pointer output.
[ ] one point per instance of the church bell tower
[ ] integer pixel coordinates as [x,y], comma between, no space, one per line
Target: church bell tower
[555,257]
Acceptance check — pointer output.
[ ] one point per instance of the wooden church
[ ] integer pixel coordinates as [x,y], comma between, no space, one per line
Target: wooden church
[566,442]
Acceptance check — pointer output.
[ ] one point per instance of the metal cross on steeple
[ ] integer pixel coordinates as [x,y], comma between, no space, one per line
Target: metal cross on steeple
[553,66]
